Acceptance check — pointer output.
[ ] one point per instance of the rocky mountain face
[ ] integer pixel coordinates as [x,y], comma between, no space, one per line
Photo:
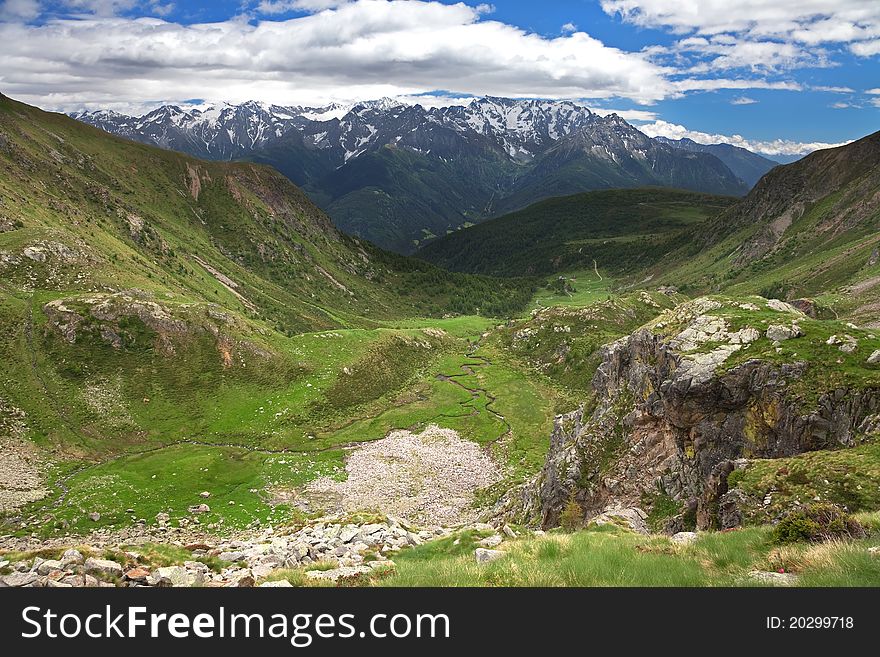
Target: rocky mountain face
[400,174]
[747,166]
[784,198]
[681,403]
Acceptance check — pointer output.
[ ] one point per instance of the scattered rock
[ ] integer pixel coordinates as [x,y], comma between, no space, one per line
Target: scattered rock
[138,574]
[491,541]
[846,343]
[243,579]
[780,332]
[205,494]
[200,508]
[484,555]
[782,307]
[684,538]
[103,567]
[874,358]
[773,579]
[425,478]
[94,516]
[19,579]
[336,574]
[70,558]
[281,583]
[48,566]
[176,576]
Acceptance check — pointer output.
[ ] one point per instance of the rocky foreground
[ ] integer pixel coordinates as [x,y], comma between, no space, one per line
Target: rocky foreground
[328,549]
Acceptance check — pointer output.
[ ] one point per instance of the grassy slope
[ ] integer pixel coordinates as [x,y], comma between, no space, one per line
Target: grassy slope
[621,230]
[611,557]
[272,331]
[809,229]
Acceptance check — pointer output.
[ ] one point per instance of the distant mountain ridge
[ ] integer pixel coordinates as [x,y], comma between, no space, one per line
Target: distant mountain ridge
[401,174]
[748,167]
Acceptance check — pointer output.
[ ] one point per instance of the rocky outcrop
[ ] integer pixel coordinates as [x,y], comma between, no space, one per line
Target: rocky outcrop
[670,417]
[134,318]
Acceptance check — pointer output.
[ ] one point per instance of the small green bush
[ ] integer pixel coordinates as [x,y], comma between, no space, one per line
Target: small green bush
[816,523]
[572,517]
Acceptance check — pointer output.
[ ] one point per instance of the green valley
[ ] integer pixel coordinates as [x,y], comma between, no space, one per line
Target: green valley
[200,368]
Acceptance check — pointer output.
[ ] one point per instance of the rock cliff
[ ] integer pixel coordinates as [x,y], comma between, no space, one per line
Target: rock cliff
[680,403]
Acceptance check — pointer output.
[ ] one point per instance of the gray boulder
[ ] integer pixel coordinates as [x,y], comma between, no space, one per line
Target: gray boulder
[104,567]
[484,555]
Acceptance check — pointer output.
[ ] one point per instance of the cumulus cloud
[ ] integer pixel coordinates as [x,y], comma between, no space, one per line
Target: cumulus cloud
[360,49]
[755,35]
[661,128]
[724,52]
[806,21]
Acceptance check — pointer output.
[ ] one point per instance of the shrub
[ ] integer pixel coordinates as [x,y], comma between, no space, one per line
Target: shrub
[816,523]
[572,517]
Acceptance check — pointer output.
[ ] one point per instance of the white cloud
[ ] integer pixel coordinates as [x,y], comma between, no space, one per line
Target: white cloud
[364,49]
[743,100]
[787,32]
[626,115]
[723,52]
[774,147]
[697,84]
[19,9]
[874,92]
[568,28]
[832,89]
[866,48]
[802,21]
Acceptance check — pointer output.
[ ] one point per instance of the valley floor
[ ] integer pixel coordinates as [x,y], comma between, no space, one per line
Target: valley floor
[243,493]
[257,450]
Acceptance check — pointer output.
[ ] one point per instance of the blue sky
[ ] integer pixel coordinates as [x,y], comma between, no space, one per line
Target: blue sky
[778,77]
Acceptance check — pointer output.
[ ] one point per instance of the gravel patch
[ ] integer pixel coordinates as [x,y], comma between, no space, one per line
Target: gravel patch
[426,479]
[21,478]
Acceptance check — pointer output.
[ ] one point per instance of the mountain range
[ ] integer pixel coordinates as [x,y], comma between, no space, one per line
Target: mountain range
[400,174]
